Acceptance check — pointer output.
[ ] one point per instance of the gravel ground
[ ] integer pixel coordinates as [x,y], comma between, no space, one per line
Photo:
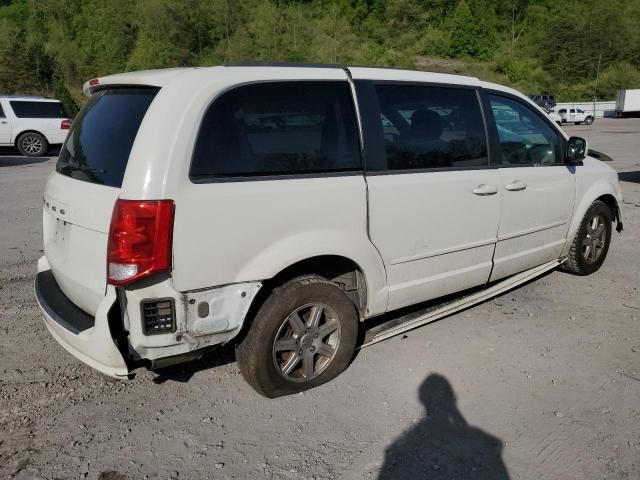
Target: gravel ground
[541,383]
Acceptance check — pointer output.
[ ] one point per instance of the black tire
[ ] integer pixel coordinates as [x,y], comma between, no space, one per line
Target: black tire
[32,144]
[577,123]
[259,358]
[588,120]
[579,261]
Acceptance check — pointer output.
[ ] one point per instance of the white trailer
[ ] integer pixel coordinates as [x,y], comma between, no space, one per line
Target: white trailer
[628,102]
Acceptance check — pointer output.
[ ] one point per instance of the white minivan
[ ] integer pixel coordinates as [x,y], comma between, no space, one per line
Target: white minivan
[278,207]
[32,124]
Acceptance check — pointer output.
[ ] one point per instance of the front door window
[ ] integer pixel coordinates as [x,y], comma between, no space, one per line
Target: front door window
[525,138]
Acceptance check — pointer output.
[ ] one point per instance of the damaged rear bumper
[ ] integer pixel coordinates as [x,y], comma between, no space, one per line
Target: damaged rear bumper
[116,341]
[85,337]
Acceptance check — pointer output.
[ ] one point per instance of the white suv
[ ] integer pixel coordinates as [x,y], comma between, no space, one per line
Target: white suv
[278,207]
[32,124]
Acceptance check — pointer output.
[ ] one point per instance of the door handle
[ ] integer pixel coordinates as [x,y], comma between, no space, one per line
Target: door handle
[515,186]
[483,190]
[3,122]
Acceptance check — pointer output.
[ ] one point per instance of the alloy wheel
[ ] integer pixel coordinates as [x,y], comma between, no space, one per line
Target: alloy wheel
[595,239]
[306,342]
[32,145]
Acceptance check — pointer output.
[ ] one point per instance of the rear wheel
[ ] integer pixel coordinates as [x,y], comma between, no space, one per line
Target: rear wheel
[32,144]
[591,243]
[304,335]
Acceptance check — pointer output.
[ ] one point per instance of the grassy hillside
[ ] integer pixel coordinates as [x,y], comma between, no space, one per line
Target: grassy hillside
[52,46]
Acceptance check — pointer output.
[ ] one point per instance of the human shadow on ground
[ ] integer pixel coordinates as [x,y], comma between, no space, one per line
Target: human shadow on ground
[443,445]
[631,177]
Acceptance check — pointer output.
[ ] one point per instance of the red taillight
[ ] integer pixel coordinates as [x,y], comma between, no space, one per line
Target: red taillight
[139,240]
[66,124]
[93,82]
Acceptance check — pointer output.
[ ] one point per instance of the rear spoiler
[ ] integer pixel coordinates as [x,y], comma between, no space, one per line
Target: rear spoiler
[90,86]
[145,78]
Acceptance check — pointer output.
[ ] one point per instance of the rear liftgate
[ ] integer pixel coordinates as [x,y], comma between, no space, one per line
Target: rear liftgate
[414,320]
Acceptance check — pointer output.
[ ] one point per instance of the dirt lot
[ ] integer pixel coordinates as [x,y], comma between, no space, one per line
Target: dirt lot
[542,383]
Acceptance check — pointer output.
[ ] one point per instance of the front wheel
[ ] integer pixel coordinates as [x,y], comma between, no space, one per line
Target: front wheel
[32,144]
[304,335]
[591,243]
[588,120]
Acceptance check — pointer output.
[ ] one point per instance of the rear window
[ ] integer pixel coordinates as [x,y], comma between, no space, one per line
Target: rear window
[278,128]
[26,109]
[99,144]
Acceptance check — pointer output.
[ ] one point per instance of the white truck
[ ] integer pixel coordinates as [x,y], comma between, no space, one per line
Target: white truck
[576,115]
[628,102]
[554,117]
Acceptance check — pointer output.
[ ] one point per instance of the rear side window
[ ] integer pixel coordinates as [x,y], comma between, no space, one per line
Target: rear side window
[431,128]
[98,146]
[25,109]
[1,112]
[278,128]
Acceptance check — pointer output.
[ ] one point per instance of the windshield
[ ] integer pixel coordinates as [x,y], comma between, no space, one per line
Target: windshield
[98,146]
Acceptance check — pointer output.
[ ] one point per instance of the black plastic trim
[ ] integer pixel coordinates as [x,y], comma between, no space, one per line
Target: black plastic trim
[66,313]
[147,301]
[375,173]
[603,157]
[206,179]
[417,83]
[342,66]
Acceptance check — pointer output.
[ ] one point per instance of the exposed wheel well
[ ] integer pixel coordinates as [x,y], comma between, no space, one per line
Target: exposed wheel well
[611,202]
[343,271]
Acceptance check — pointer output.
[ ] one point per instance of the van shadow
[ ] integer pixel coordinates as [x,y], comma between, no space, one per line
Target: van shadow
[443,445]
[631,177]
[7,161]
[183,372]
[224,355]
[10,157]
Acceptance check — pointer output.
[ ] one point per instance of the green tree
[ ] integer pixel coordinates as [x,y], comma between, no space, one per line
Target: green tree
[52,47]
[464,37]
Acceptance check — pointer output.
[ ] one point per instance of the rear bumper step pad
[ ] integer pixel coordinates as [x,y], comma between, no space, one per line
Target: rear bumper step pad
[53,300]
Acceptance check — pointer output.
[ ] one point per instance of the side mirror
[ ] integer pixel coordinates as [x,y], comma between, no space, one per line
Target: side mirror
[576,150]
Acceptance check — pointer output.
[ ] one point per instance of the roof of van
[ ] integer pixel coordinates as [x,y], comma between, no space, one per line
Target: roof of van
[161,77]
[28,98]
